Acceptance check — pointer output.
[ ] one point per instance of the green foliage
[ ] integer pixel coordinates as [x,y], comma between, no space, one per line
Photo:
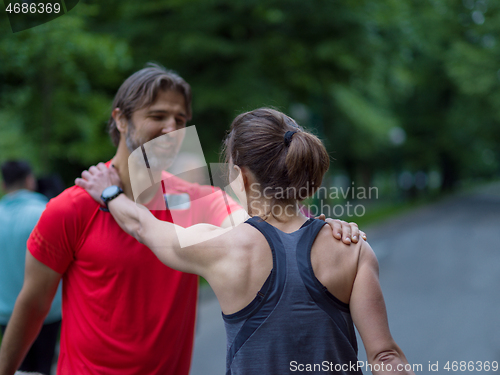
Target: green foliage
[57,82]
[353,71]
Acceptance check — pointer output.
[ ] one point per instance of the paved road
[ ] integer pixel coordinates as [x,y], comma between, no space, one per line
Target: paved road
[440,273]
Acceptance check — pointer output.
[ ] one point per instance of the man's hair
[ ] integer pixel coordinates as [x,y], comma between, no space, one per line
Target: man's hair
[14,172]
[141,90]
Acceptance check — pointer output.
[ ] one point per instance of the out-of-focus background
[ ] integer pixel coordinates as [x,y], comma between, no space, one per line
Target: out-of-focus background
[405,95]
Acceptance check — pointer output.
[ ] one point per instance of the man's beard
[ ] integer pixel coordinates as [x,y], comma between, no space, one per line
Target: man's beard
[132,144]
[156,162]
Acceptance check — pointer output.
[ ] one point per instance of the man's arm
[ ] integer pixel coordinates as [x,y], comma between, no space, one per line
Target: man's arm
[32,306]
[342,230]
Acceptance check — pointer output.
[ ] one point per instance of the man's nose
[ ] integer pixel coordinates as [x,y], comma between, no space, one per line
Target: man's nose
[169,125]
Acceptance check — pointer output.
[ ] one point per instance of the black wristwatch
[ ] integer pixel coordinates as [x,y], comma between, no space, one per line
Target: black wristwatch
[108,194]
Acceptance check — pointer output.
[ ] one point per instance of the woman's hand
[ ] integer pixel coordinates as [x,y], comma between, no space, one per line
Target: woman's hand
[98,178]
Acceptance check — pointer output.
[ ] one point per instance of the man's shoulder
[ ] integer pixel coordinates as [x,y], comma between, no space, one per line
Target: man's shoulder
[35,200]
[33,205]
[23,200]
[72,201]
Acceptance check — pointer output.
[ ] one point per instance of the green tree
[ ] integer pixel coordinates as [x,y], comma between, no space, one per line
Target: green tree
[57,81]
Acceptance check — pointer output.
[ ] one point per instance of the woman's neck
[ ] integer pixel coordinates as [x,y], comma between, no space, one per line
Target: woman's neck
[279,215]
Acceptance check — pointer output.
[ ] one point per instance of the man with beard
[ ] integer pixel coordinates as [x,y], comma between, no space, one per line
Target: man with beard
[124,312]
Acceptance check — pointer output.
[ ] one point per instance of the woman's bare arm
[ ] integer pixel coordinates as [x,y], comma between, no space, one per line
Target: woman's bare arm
[370,317]
[177,247]
[183,249]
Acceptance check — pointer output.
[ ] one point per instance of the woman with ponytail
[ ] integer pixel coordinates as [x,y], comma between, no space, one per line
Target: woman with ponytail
[289,292]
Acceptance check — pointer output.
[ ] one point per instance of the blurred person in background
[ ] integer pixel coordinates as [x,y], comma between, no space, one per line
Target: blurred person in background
[125,312]
[20,210]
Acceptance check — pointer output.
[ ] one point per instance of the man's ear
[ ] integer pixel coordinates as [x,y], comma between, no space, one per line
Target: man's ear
[121,122]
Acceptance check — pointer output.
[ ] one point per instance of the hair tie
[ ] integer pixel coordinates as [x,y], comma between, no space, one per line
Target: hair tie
[288,137]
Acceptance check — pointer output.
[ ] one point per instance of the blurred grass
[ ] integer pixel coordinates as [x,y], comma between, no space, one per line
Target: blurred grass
[384,211]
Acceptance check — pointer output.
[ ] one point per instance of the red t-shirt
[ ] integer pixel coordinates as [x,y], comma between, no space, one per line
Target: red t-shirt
[124,312]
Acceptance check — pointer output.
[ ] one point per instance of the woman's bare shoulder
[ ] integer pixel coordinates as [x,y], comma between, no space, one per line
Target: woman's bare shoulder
[335,263]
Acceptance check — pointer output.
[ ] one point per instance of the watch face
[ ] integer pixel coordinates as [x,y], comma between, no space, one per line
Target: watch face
[110,191]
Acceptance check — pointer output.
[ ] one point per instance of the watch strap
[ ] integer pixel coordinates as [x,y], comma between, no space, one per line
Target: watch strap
[110,198]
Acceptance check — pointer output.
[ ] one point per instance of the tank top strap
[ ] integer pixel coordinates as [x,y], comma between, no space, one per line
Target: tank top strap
[274,241]
[335,308]
[272,293]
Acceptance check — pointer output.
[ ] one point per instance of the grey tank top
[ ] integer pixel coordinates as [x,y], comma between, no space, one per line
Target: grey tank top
[294,325]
